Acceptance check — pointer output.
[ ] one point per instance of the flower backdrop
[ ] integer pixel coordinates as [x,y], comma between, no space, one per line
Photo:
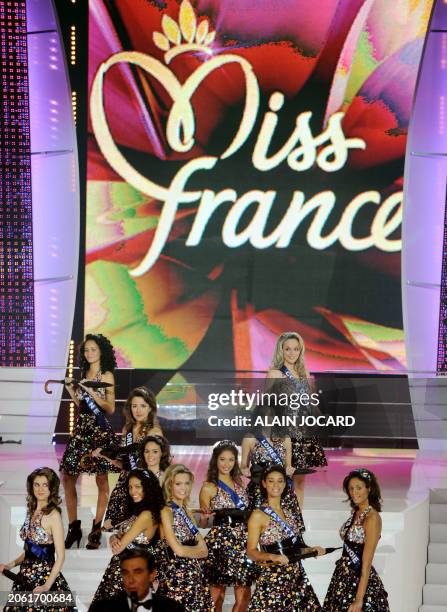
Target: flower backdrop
[260,145]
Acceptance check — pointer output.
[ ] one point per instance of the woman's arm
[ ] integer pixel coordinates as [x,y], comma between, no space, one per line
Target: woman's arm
[207,492]
[144,522]
[12,564]
[373,529]
[71,390]
[247,445]
[256,525]
[55,527]
[270,379]
[107,404]
[288,446]
[199,551]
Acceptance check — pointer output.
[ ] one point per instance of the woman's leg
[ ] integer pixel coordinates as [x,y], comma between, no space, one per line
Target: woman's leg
[298,485]
[218,596]
[242,596]
[71,496]
[102,481]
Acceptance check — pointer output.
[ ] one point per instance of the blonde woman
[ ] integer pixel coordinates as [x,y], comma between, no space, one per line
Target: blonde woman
[288,374]
[182,577]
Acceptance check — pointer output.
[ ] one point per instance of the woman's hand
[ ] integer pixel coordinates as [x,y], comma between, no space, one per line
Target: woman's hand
[96,452]
[356,606]
[279,559]
[290,471]
[319,550]
[117,546]
[246,472]
[43,588]
[4,566]
[68,381]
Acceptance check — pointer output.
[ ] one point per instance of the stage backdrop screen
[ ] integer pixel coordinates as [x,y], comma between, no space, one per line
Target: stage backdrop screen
[245,169]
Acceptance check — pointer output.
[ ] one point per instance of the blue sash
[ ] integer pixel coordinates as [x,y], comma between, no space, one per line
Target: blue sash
[132,456]
[42,552]
[352,555]
[285,526]
[276,459]
[93,406]
[285,370]
[237,501]
[192,528]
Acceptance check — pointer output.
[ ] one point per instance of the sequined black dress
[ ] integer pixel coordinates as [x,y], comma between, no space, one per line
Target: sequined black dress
[38,562]
[183,579]
[88,435]
[307,451]
[283,588]
[227,562]
[345,579]
[260,456]
[112,583]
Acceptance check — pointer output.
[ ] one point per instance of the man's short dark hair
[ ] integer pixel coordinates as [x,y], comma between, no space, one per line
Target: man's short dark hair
[136,553]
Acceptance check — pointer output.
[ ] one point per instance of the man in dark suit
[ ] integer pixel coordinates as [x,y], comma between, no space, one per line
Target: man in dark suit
[138,570]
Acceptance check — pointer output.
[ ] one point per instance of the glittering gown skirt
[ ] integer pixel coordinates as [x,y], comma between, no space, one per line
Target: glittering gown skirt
[343,589]
[112,583]
[117,509]
[284,588]
[88,436]
[34,570]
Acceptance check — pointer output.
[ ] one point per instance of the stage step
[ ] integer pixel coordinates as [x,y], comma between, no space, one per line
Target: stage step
[434,595]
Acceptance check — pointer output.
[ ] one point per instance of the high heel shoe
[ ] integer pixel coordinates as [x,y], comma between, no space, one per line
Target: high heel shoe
[74,534]
[94,537]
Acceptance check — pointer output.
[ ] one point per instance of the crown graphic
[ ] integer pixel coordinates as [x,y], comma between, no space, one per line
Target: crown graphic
[196,36]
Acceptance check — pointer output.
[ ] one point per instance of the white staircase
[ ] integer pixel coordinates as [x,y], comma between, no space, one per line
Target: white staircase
[435,589]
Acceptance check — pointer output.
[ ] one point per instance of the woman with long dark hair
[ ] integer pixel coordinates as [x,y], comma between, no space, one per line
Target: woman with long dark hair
[182,576]
[355,585]
[43,533]
[155,455]
[288,375]
[140,412]
[140,528]
[92,430]
[224,496]
[283,585]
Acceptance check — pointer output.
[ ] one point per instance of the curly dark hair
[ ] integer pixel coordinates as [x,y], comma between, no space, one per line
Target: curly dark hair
[153,499]
[213,471]
[54,501]
[108,361]
[371,483]
[165,459]
[273,468]
[148,397]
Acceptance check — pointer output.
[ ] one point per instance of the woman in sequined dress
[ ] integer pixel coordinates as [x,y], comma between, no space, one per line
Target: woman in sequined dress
[261,448]
[140,412]
[283,585]
[182,577]
[355,585]
[224,496]
[288,375]
[140,528]
[92,430]
[43,534]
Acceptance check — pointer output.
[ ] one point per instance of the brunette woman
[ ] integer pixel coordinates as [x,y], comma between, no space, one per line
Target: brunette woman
[283,585]
[355,585]
[224,496]
[155,455]
[43,533]
[92,430]
[140,528]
